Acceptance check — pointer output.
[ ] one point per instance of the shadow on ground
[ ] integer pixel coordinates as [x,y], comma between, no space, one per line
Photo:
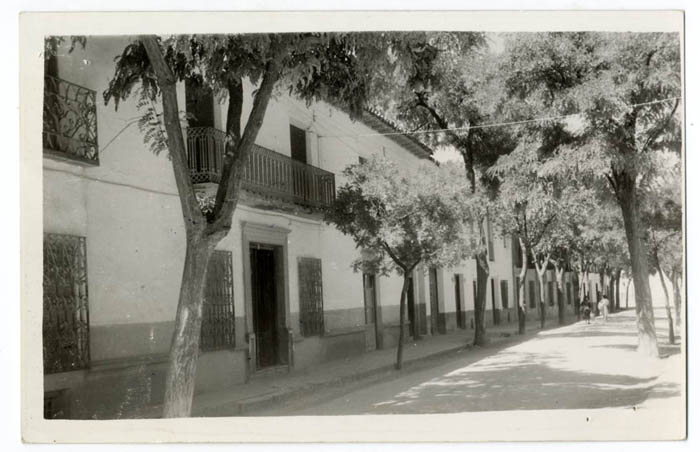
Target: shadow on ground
[518,381]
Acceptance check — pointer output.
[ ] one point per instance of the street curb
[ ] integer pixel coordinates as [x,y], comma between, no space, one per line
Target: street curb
[255,403]
[261,402]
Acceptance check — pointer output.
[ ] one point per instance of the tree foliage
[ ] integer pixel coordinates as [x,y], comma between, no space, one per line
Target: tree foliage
[404,217]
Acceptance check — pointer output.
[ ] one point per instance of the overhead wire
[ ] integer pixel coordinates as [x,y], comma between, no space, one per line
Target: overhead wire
[487,125]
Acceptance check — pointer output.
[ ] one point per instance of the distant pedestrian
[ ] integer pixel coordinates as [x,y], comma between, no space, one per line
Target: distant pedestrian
[603,307]
[586,309]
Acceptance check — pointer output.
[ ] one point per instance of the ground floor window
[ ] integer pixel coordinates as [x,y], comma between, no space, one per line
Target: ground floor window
[568,293]
[461,320]
[65,314]
[550,292]
[504,294]
[531,290]
[310,296]
[218,318]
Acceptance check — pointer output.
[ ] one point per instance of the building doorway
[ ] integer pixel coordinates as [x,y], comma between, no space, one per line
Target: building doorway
[435,323]
[494,310]
[411,307]
[266,309]
[461,320]
[372,317]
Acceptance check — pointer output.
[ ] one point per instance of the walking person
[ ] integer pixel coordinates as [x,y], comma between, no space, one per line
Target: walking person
[604,304]
[586,309]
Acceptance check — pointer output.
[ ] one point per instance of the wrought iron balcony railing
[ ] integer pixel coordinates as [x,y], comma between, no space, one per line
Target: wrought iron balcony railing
[267,173]
[70,121]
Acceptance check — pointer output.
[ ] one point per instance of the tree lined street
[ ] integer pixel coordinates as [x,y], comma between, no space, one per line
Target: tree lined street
[568,145]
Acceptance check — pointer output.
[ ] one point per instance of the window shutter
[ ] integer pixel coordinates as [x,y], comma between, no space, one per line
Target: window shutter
[504,294]
[310,296]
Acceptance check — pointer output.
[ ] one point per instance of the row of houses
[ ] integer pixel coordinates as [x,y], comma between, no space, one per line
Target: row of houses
[281,293]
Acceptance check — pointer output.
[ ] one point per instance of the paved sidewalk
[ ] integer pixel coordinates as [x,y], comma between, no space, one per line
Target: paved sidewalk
[267,391]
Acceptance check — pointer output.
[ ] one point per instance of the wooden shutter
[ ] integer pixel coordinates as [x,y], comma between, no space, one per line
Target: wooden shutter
[532,293]
[504,294]
[310,296]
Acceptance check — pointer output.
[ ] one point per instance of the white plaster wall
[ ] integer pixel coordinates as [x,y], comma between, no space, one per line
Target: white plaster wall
[128,209]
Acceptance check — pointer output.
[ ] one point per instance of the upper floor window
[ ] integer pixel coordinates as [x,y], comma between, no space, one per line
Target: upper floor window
[69,116]
[297,139]
[199,103]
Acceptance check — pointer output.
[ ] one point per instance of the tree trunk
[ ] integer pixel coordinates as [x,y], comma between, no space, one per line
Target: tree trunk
[560,294]
[627,199]
[617,289]
[184,348]
[627,292]
[675,283]
[541,279]
[577,296]
[201,234]
[522,303]
[482,276]
[667,303]
[402,318]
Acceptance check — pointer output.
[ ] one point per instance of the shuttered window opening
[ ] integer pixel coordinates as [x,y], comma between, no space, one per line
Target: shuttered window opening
[568,293]
[531,287]
[310,296]
[550,293]
[218,318]
[504,294]
[65,325]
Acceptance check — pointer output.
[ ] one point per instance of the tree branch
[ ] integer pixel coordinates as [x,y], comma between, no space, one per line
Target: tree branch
[176,144]
[231,176]
[654,133]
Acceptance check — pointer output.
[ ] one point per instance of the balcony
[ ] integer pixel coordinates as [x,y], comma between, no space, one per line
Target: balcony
[70,121]
[267,173]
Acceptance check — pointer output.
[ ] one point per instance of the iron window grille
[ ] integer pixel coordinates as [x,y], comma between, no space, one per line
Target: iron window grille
[218,318]
[70,121]
[65,314]
[310,296]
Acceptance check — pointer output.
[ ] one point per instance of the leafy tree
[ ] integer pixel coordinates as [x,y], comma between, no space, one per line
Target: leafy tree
[330,66]
[625,87]
[535,205]
[449,82]
[402,218]
[663,213]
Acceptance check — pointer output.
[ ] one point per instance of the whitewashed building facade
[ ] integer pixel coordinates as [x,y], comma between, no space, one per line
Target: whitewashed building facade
[281,293]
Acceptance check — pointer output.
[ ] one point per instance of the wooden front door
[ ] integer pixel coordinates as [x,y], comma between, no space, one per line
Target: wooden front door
[371,318]
[494,309]
[434,306]
[458,301]
[264,294]
[411,307]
